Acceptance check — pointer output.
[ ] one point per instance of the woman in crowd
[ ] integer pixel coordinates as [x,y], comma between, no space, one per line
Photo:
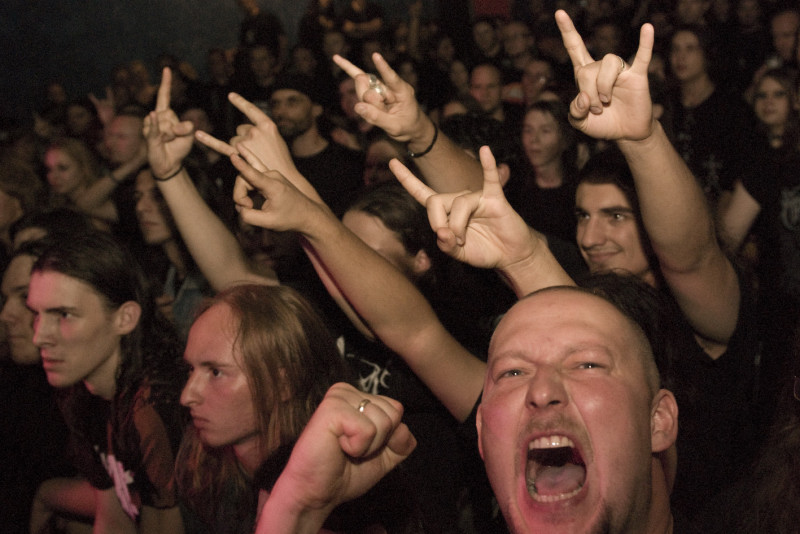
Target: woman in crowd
[71,170]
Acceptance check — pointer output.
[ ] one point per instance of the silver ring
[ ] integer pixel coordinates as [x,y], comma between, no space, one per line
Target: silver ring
[621,64]
[362,405]
[373,81]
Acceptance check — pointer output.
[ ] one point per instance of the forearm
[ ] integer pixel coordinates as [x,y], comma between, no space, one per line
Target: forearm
[673,207]
[212,246]
[446,168]
[281,514]
[536,271]
[396,312]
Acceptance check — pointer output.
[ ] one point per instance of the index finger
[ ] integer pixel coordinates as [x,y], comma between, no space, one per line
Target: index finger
[572,40]
[162,100]
[214,144]
[411,183]
[250,110]
[346,66]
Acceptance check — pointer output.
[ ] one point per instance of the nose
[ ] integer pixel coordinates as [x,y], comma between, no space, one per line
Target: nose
[590,232]
[191,391]
[546,389]
[42,331]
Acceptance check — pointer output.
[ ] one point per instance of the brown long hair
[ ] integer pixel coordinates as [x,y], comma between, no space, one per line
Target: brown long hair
[290,360]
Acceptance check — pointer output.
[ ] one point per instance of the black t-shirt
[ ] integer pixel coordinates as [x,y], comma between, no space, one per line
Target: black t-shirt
[336,173]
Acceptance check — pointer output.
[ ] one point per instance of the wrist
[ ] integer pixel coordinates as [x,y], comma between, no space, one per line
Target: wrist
[650,136]
[424,136]
[169,175]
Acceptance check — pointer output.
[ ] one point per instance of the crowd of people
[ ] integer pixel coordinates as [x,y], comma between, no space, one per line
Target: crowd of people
[542,275]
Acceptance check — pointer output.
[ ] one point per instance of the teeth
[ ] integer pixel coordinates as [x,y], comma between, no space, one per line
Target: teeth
[551,498]
[550,442]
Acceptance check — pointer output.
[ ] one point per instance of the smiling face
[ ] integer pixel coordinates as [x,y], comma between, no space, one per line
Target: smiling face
[608,233]
[15,314]
[218,392]
[63,173]
[77,334]
[564,424]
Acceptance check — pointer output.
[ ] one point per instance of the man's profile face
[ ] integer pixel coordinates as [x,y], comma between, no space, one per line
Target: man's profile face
[485,87]
[292,111]
[564,426]
[607,230]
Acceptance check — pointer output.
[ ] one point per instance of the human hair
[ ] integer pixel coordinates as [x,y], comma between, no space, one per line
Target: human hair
[787,78]
[559,113]
[471,131]
[290,360]
[81,155]
[58,223]
[150,353]
[19,181]
[610,167]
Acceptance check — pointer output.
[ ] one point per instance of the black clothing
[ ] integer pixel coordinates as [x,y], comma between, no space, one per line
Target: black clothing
[336,173]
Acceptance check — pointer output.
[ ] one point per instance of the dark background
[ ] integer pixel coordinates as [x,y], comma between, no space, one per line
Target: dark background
[78,42]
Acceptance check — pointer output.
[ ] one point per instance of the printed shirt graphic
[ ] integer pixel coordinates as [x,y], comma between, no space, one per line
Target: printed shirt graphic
[122,478]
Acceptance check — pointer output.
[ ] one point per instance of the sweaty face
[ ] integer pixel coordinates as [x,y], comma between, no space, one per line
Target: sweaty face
[686,57]
[77,335]
[541,139]
[608,234]
[150,210]
[123,139]
[63,173]
[564,422]
[771,103]
[217,392]
[485,87]
[15,315]
[292,111]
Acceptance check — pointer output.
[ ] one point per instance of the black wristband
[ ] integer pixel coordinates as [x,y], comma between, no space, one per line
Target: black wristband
[430,147]
[170,177]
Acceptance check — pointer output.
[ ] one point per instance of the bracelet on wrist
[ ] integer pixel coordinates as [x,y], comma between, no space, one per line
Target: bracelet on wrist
[170,177]
[430,147]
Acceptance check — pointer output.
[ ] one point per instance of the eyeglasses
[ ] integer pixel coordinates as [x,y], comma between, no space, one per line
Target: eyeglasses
[797,387]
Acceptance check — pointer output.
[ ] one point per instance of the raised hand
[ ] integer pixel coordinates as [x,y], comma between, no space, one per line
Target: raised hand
[285,207]
[480,228]
[352,441]
[389,102]
[168,139]
[614,99]
[263,140]
[105,108]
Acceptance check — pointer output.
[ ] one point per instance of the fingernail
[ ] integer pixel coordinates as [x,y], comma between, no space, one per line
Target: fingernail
[604,99]
[596,110]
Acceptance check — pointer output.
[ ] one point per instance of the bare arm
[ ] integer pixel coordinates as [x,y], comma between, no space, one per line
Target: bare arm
[352,440]
[481,228]
[161,521]
[737,217]
[213,247]
[390,304]
[109,517]
[446,168]
[96,196]
[74,496]
[614,103]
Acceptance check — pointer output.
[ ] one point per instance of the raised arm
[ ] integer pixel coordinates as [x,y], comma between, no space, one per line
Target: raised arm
[390,104]
[737,217]
[614,103]
[482,229]
[95,200]
[212,246]
[389,303]
[352,441]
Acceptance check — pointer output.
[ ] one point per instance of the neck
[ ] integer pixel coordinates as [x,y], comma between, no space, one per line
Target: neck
[659,516]
[308,143]
[695,92]
[173,253]
[249,455]
[550,175]
[102,381]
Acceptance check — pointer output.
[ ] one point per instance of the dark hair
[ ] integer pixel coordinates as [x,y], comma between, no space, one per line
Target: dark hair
[19,181]
[58,223]
[560,112]
[472,131]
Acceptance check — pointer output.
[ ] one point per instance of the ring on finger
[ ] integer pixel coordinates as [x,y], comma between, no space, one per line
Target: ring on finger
[621,64]
[362,405]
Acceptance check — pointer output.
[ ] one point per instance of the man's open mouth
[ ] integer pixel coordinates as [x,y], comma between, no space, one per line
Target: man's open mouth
[555,470]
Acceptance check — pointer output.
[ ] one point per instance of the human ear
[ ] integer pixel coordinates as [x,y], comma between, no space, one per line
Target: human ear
[316,110]
[127,317]
[422,262]
[479,425]
[663,421]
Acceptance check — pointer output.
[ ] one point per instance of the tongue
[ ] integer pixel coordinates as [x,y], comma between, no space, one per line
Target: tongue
[552,480]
